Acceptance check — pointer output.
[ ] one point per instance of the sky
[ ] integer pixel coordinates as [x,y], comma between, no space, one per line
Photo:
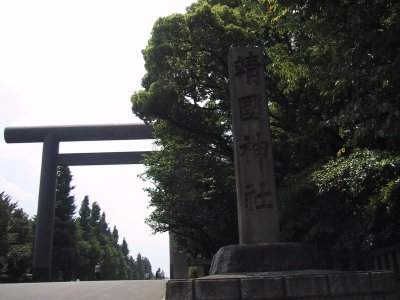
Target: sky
[78,62]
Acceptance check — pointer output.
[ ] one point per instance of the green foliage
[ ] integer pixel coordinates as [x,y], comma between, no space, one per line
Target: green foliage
[6,208]
[78,243]
[16,243]
[186,95]
[331,73]
[65,236]
[349,53]
[142,267]
[192,272]
[345,205]
[186,191]
[99,245]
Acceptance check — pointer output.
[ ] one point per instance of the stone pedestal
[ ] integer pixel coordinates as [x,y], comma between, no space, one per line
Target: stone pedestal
[281,271]
[306,284]
[266,257]
[261,267]
[178,261]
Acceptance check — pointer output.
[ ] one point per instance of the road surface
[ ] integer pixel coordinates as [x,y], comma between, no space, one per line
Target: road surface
[85,290]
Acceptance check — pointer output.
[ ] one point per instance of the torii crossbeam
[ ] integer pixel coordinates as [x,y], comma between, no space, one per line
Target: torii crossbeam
[51,136]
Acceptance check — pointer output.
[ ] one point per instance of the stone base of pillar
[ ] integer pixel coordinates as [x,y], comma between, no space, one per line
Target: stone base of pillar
[304,284]
[179,266]
[266,257]
[41,274]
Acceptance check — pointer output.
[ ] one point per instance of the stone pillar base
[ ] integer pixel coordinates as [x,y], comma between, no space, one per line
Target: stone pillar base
[304,284]
[41,274]
[266,257]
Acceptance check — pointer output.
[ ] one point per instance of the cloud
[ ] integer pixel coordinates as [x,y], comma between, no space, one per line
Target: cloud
[27,201]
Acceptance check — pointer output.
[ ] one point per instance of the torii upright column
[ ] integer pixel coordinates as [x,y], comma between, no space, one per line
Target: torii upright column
[45,215]
[51,136]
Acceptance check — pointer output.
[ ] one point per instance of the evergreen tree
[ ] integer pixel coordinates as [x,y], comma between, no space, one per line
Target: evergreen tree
[6,208]
[16,240]
[20,245]
[84,218]
[65,237]
[115,235]
[139,267]
[147,267]
[84,245]
[95,215]
[133,274]
[124,248]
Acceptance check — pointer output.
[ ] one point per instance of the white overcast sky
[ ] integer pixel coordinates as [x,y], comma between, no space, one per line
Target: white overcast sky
[78,62]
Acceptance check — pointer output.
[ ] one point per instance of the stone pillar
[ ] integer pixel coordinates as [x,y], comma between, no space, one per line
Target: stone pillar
[391,264]
[376,265]
[254,170]
[383,262]
[45,214]
[200,271]
[178,261]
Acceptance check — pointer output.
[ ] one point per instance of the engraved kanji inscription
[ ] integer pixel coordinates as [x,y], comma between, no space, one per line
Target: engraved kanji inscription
[249,66]
[259,149]
[250,108]
[257,197]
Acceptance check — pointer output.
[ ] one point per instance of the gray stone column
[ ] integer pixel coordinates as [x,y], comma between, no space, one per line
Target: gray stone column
[254,169]
[45,213]
[201,271]
[178,261]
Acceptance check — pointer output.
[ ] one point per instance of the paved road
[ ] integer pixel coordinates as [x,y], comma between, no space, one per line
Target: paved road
[85,290]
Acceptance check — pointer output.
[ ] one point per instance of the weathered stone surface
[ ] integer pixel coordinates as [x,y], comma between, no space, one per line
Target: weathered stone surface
[263,288]
[258,220]
[266,257]
[392,297]
[228,289]
[349,283]
[301,286]
[179,290]
[383,281]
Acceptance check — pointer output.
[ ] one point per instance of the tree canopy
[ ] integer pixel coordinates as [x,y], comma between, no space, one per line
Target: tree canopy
[16,240]
[332,84]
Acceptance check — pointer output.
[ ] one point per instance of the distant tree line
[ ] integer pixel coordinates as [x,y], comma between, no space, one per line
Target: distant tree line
[79,242]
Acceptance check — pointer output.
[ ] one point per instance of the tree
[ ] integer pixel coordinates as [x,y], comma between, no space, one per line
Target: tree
[6,208]
[65,237]
[84,218]
[147,267]
[347,52]
[133,272]
[186,96]
[20,242]
[16,244]
[143,267]
[115,235]
[95,215]
[139,267]
[84,241]
[357,195]
[124,248]
[98,244]
[330,72]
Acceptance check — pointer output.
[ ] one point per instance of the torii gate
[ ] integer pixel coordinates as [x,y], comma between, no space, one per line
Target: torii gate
[51,137]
